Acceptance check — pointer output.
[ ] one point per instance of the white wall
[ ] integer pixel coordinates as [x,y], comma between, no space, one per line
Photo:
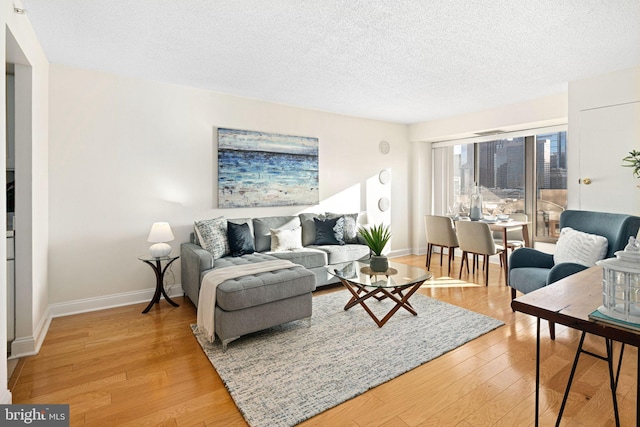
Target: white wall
[599,95]
[20,46]
[125,153]
[547,111]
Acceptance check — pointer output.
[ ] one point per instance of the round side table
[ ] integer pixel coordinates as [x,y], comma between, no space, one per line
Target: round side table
[156,265]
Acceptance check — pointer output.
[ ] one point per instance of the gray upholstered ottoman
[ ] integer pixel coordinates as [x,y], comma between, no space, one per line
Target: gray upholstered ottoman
[252,303]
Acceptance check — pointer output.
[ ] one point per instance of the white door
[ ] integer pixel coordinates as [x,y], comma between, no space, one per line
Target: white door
[607,135]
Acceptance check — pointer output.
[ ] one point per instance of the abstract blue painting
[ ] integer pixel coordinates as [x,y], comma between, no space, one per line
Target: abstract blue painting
[266,169]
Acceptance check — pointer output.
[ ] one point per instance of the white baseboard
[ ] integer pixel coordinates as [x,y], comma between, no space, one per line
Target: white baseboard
[399,253]
[28,346]
[109,301]
[5,397]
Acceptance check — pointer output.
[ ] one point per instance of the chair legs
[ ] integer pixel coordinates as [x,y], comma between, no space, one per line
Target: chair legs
[429,252]
[485,266]
[450,250]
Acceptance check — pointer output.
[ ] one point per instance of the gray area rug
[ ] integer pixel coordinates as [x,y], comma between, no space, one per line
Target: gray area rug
[285,375]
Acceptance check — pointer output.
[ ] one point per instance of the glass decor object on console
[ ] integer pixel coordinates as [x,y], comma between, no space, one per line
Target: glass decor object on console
[475,213]
[621,284]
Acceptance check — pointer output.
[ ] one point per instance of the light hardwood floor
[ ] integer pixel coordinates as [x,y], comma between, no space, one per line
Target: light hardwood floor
[118,367]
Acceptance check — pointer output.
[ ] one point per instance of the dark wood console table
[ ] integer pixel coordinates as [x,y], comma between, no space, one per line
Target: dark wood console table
[569,302]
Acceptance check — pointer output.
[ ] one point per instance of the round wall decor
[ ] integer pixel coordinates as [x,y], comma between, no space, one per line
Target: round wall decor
[384,176]
[383,204]
[384,147]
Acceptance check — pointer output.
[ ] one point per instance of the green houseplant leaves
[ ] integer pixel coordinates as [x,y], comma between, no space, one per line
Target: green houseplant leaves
[376,237]
[633,161]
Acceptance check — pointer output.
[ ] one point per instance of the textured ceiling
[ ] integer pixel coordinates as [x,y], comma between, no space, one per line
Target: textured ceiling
[400,61]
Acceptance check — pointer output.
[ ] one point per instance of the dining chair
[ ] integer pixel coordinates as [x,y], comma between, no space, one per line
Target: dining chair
[440,232]
[515,239]
[475,238]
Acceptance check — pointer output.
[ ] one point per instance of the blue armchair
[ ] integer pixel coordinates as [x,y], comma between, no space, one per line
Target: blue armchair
[530,269]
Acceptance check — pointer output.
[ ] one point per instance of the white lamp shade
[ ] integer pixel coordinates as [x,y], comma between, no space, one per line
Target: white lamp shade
[160,233]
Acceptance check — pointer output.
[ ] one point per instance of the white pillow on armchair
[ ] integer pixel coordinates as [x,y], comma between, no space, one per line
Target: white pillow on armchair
[579,247]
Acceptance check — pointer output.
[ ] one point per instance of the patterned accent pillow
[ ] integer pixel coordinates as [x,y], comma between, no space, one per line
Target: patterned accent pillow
[286,240]
[212,235]
[350,227]
[329,231]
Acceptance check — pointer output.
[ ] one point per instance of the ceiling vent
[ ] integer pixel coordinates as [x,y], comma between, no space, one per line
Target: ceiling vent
[490,132]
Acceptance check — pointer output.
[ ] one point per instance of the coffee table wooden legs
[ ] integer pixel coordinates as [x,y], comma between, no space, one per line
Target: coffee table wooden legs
[360,295]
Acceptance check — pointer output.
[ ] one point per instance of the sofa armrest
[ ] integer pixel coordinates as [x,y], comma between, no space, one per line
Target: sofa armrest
[562,270]
[193,261]
[529,257]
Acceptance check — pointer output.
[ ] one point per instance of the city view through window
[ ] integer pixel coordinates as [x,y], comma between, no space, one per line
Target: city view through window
[503,180]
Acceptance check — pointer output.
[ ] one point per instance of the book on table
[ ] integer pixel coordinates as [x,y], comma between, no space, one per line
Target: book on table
[598,316]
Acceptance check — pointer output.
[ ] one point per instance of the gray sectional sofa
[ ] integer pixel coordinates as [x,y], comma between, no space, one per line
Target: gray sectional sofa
[255,302]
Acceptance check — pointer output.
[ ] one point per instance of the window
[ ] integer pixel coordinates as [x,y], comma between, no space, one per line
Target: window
[551,182]
[523,173]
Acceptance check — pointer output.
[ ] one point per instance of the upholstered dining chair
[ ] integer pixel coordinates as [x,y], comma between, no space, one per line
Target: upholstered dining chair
[514,234]
[475,238]
[440,232]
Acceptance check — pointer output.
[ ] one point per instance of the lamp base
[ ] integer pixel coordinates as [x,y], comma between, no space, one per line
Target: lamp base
[160,249]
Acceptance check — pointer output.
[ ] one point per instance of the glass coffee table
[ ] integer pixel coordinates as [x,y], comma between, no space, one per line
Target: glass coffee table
[398,283]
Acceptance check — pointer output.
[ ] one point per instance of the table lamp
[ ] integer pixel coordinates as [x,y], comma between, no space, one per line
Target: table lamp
[159,235]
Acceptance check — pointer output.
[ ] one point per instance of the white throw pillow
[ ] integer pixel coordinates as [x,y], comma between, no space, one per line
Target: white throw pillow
[285,240]
[579,247]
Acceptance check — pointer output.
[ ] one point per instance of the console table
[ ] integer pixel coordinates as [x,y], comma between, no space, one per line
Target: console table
[569,302]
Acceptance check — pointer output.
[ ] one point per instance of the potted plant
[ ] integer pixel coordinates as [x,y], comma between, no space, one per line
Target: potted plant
[377,237]
[633,161]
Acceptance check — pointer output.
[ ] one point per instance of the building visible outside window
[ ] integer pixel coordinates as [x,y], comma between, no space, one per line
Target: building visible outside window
[551,182]
[500,168]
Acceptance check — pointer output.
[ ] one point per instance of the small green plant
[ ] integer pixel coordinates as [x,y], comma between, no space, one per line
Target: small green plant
[376,237]
[633,161]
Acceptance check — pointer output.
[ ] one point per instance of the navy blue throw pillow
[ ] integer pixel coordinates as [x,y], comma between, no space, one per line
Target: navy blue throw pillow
[329,231]
[240,239]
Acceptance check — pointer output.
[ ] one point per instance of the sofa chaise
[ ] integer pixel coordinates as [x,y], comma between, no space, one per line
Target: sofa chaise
[254,302]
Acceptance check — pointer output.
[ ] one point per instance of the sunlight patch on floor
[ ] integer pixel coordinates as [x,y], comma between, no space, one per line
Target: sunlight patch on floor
[448,282]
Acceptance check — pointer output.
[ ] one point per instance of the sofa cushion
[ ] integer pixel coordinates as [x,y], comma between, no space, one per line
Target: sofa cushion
[329,231]
[350,226]
[343,253]
[244,259]
[309,227]
[262,288]
[212,236]
[262,229]
[286,240]
[529,278]
[579,247]
[306,257]
[240,239]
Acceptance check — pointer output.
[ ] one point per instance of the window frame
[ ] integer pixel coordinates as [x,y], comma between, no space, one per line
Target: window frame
[530,181]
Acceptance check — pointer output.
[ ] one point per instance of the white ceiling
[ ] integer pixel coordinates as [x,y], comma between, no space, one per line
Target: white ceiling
[394,60]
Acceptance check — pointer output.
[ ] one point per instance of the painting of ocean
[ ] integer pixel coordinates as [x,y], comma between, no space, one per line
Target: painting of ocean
[265,169]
